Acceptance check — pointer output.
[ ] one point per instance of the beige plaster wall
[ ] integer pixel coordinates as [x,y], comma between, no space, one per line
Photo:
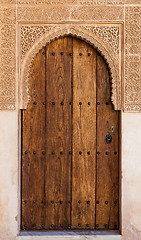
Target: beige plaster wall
[10,168]
[8,174]
[131,172]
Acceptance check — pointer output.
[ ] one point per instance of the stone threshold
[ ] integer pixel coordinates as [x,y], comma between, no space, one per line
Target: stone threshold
[70,235]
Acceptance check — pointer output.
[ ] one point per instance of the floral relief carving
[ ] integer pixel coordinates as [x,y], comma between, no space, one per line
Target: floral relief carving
[29,34]
[109,35]
[95,35]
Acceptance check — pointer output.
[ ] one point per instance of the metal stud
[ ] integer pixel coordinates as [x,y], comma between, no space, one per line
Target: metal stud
[25,152]
[89,103]
[89,54]
[61,53]
[107,103]
[62,103]
[69,201]
[42,225]
[52,225]
[34,201]
[70,153]
[52,202]
[69,225]
[80,54]
[115,153]
[97,202]
[61,153]
[34,225]
[34,152]
[97,225]
[35,103]
[42,201]
[79,201]
[98,103]
[88,202]
[61,225]
[88,153]
[25,201]
[80,103]
[87,225]
[79,225]
[53,103]
[70,54]
[70,103]
[43,53]
[44,103]
[53,53]
[98,153]
[53,153]
[115,202]
[61,202]
[106,153]
[43,153]
[106,202]
[80,153]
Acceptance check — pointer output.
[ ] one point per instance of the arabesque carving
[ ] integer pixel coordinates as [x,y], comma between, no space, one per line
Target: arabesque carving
[33,38]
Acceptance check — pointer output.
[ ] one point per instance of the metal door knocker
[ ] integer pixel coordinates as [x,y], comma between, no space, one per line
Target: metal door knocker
[108,138]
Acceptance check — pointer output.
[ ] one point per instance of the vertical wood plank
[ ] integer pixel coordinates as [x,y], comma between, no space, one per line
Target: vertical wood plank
[84,135]
[108,153]
[58,133]
[33,146]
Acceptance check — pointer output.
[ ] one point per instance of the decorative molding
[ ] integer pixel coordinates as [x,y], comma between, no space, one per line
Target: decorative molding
[78,2]
[34,37]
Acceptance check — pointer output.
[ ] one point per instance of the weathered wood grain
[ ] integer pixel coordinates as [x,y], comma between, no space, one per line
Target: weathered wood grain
[107,161]
[33,144]
[58,133]
[70,175]
[84,135]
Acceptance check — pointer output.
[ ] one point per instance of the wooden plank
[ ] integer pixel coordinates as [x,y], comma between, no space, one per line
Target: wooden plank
[33,145]
[107,161]
[58,133]
[84,135]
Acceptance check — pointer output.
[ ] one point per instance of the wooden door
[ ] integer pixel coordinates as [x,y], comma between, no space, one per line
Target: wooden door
[70,132]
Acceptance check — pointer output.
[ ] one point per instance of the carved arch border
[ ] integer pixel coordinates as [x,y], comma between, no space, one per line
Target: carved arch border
[75,31]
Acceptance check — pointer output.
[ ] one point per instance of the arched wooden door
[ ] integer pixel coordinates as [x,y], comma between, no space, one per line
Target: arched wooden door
[70,134]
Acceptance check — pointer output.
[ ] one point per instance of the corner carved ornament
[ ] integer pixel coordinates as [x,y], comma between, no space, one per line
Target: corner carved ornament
[104,38]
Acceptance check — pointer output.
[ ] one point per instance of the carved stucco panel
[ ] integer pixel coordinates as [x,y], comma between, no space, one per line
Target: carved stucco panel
[34,37]
[7,57]
[133,59]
